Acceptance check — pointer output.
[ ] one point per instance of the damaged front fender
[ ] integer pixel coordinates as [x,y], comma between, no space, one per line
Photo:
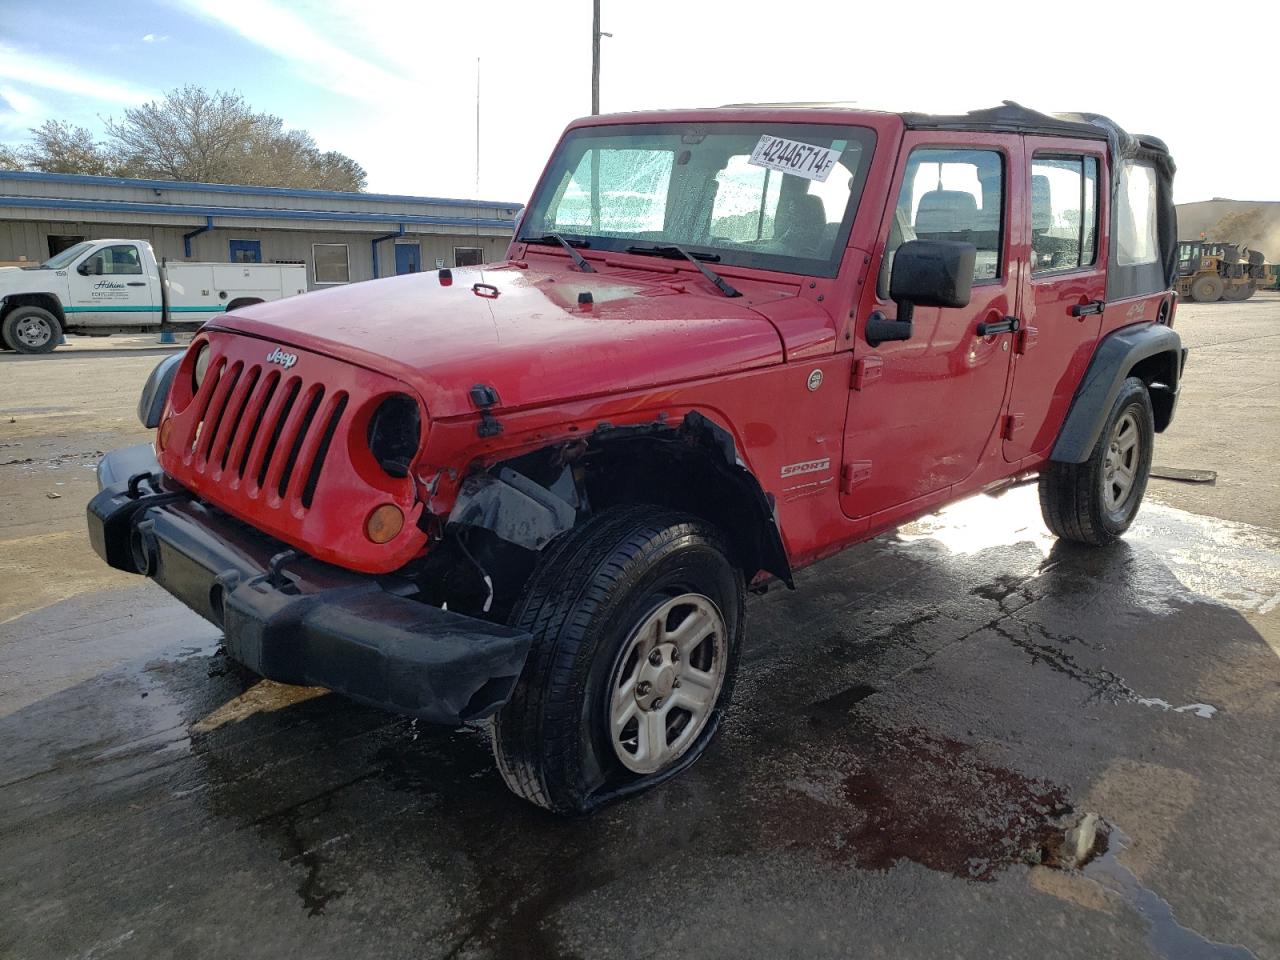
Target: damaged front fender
[514,508]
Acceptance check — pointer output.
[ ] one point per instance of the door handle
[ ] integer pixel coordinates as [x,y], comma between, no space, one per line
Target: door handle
[1087,309]
[137,283]
[1005,325]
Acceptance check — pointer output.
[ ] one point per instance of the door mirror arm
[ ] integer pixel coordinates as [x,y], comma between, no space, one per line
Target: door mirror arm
[880,329]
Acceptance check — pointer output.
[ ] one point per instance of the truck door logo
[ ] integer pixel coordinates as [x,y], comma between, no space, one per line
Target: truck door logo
[285,360]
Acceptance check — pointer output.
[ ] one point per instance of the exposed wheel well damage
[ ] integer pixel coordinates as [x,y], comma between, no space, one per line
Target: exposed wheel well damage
[505,515]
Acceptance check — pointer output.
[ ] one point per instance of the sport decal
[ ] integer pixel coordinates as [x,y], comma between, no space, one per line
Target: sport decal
[809,466]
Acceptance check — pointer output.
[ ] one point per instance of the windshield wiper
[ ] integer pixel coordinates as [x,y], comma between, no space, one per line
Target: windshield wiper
[671,251]
[568,245]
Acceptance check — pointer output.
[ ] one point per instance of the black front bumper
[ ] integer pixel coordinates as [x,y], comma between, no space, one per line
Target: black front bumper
[297,620]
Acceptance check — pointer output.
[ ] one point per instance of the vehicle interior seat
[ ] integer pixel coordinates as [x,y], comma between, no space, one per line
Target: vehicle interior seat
[803,223]
[946,215]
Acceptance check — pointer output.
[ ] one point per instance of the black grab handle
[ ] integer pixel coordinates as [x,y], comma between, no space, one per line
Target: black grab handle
[1007,325]
[1087,309]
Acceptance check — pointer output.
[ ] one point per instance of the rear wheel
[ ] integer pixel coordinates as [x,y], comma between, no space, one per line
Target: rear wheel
[637,621]
[31,330]
[1206,289]
[1095,502]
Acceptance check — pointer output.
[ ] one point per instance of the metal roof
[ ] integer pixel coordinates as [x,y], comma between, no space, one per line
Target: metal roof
[277,192]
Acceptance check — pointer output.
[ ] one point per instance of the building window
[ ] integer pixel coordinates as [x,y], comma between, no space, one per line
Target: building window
[332,264]
[467,256]
[246,251]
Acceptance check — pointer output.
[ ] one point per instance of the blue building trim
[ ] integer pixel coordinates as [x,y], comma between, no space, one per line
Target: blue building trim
[250,213]
[29,176]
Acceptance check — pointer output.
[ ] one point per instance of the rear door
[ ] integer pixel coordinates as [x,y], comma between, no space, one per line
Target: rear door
[1065,287]
[922,412]
[111,286]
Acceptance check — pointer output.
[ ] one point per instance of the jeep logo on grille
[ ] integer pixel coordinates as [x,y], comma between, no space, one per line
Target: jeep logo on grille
[285,360]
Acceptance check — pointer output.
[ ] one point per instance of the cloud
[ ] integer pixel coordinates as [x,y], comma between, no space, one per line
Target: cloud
[273,27]
[155,38]
[34,70]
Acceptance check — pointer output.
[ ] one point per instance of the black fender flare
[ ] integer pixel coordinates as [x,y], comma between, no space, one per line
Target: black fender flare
[1113,361]
[764,542]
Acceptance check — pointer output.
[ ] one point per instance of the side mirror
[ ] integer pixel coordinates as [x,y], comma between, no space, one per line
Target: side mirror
[83,269]
[926,273]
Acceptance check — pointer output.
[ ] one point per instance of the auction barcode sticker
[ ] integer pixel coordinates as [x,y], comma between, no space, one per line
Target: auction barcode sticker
[800,159]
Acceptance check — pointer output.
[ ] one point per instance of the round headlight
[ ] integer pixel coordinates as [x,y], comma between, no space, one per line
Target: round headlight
[395,432]
[202,365]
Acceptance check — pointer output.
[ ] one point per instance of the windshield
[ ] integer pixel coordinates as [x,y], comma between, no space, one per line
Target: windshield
[777,196]
[66,256]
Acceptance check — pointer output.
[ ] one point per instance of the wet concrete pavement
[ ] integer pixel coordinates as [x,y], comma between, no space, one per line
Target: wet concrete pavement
[911,733]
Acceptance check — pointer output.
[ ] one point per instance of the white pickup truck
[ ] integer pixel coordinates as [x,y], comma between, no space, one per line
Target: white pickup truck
[99,287]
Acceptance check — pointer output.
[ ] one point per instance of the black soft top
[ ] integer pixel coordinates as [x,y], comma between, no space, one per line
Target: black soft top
[1015,118]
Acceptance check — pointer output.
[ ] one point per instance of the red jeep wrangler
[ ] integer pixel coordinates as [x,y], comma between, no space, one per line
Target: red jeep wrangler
[726,343]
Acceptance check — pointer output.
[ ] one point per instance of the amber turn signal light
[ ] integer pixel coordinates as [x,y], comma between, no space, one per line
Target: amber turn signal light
[384,523]
[162,436]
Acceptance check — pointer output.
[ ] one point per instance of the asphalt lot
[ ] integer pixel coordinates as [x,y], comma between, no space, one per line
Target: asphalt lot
[912,730]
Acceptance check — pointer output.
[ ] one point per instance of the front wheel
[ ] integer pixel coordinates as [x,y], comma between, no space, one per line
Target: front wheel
[637,621]
[31,330]
[1095,502]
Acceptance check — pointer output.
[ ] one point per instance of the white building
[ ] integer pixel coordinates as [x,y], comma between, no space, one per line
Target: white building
[341,237]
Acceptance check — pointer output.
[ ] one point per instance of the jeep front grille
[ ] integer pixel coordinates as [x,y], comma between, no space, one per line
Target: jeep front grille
[265,432]
[284,448]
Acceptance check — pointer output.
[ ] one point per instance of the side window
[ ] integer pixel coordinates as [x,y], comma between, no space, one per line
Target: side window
[950,195]
[121,259]
[1135,216]
[1064,213]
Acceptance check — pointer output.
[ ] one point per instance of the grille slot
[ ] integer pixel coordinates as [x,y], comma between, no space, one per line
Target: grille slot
[331,427]
[258,406]
[231,424]
[217,409]
[278,417]
[309,414]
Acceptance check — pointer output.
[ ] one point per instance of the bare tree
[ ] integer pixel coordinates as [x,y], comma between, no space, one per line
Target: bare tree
[193,134]
[9,159]
[59,147]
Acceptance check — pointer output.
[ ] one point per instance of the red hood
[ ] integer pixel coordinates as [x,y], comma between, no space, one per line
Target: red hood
[532,342]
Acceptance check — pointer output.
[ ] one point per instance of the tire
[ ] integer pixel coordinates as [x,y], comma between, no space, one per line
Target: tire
[586,604]
[1241,291]
[31,330]
[1207,289]
[1084,502]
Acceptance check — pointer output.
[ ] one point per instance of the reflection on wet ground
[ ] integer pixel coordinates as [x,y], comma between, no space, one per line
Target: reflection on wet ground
[913,732]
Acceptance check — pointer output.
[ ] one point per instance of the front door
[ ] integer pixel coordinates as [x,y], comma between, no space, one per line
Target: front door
[408,258]
[110,286]
[924,412]
[1065,287]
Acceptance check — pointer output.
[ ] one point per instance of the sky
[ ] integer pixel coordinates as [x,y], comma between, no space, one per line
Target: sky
[393,84]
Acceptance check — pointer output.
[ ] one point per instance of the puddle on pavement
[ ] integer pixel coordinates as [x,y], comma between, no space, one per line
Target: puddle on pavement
[1167,938]
[1231,563]
[916,796]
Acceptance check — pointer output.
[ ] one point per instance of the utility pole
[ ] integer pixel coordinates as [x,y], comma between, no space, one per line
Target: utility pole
[596,34]
[477,128]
